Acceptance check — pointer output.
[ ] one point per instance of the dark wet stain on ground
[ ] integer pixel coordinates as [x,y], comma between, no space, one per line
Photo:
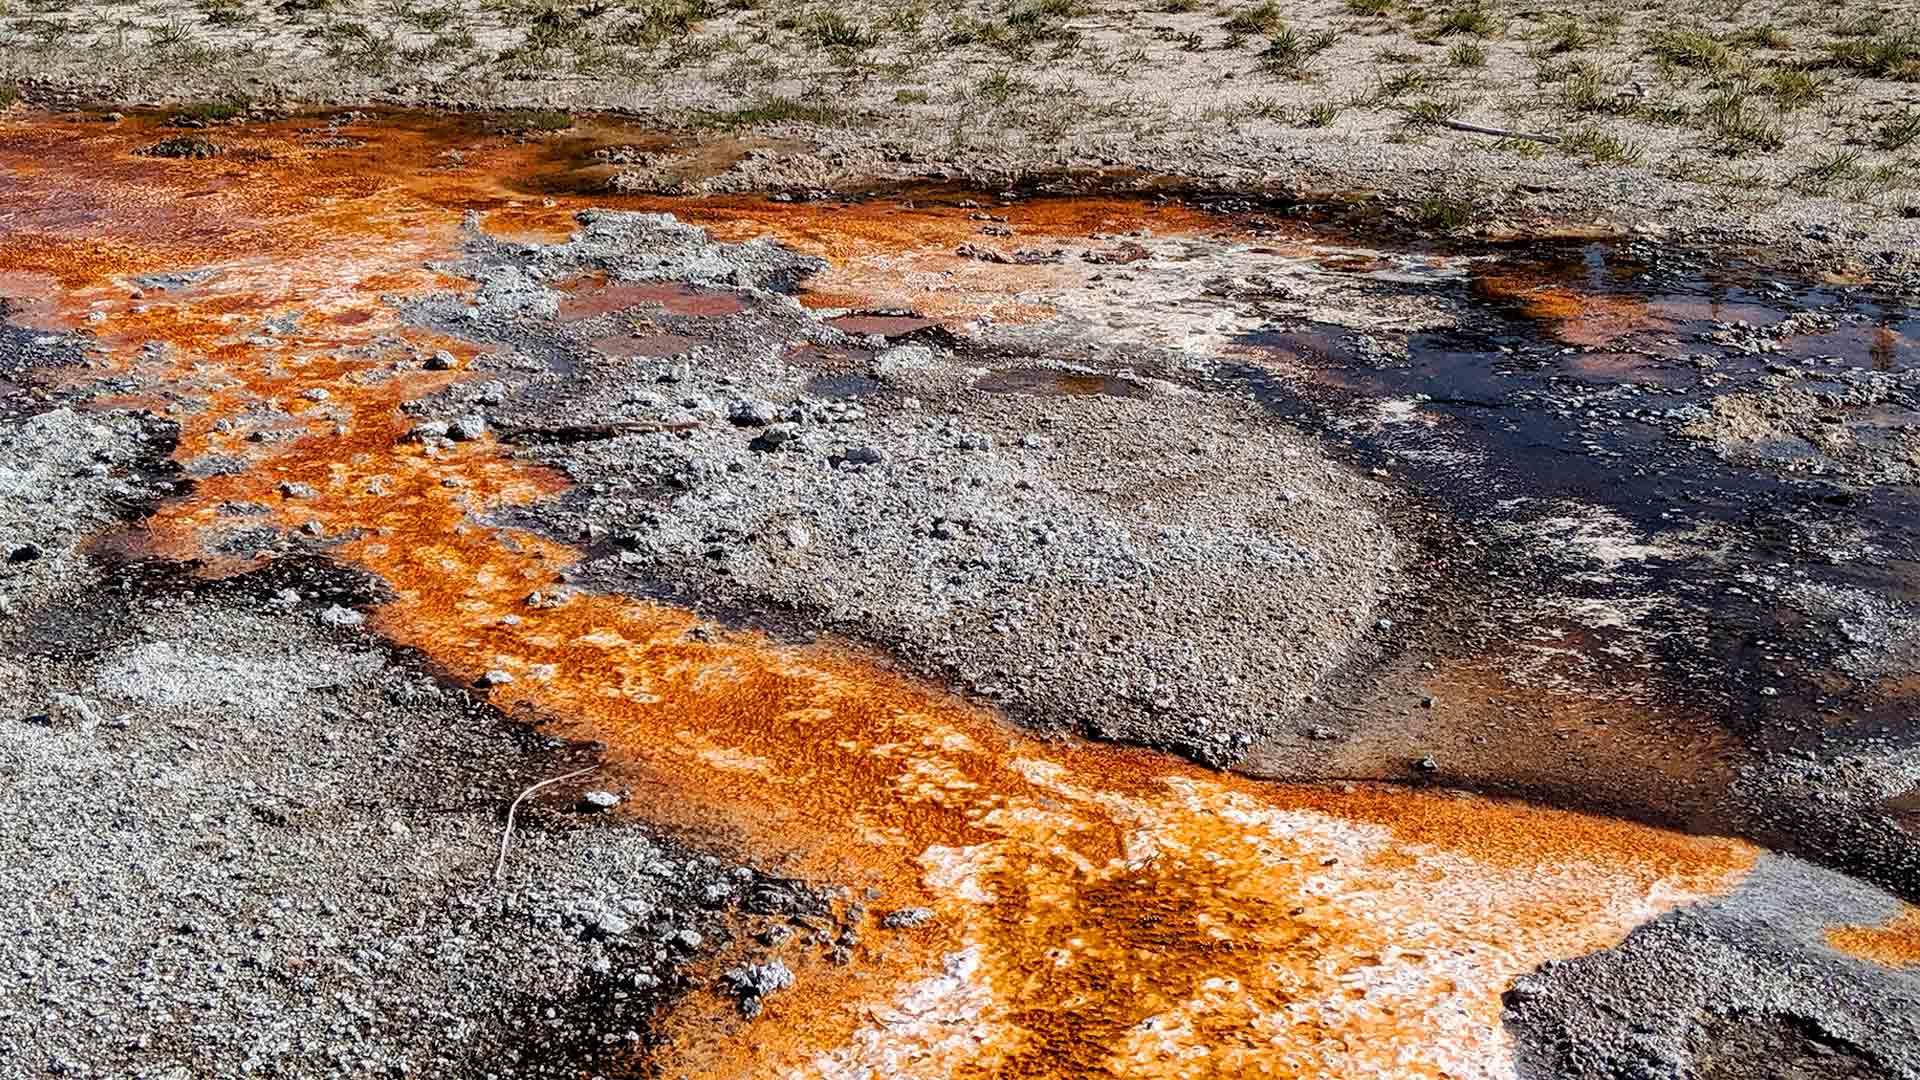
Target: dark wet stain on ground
[888,326]
[849,384]
[1579,380]
[592,297]
[1058,382]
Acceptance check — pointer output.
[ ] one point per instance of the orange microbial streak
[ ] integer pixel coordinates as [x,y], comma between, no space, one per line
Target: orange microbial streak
[1577,317]
[1897,944]
[1095,911]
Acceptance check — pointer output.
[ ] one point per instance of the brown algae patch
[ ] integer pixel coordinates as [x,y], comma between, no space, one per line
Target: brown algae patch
[1896,945]
[1092,910]
[1058,382]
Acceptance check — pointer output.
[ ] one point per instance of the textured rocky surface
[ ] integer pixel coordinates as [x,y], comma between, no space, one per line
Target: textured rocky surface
[1197,482]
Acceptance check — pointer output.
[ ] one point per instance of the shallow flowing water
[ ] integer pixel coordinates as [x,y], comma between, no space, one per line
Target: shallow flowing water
[1095,911]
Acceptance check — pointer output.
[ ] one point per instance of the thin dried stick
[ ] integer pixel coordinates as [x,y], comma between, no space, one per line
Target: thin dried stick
[1504,133]
[506,834]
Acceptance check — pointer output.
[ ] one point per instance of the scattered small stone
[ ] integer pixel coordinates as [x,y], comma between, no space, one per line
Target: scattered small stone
[753,414]
[292,490]
[440,361]
[752,982]
[776,436]
[608,925]
[599,800]
[469,427]
[496,677]
[906,918]
[24,553]
[183,147]
[1426,765]
[342,618]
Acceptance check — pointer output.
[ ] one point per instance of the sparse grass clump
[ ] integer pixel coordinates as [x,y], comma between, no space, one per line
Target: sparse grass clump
[1443,212]
[832,30]
[1587,89]
[9,95]
[1843,166]
[208,112]
[1693,49]
[1794,88]
[1736,126]
[1402,83]
[1001,87]
[772,110]
[1321,114]
[1764,36]
[1566,36]
[227,13]
[1287,52]
[1372,9]
[1468,54]
[1601,147]
[357,47]
[664,20]
[1898,131]
[1429,112]
[1889,54]
[1471,18]
[1262,18]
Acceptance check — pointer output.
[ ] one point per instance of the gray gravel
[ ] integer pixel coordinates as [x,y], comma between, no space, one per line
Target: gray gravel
[242,843]
[1159,566]
[242,839]
[63,475]
[1742,987]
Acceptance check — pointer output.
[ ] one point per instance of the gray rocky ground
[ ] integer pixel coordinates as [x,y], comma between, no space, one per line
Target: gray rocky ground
[1153,565]
[243,836]
[1735,988]
[255,834]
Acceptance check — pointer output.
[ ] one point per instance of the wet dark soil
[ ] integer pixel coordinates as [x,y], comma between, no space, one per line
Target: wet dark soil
[1576,391]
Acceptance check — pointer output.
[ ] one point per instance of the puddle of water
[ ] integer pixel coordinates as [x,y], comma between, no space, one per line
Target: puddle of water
[1095,909]
[589,297]
[846,384]
[890,326]
[1058,382]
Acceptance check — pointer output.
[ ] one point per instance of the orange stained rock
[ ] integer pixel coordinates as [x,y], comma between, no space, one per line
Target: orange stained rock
[1897,944]
[1096,911]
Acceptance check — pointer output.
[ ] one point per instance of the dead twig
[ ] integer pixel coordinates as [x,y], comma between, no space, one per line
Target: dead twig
[1502,133]
[506,834]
